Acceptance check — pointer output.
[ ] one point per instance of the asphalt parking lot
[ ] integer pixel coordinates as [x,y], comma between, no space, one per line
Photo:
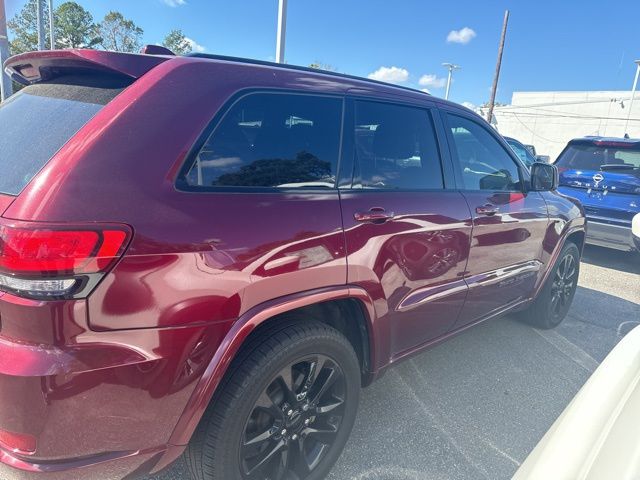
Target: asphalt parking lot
[474,407]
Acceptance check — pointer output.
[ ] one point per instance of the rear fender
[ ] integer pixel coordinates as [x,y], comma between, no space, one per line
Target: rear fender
[242,328]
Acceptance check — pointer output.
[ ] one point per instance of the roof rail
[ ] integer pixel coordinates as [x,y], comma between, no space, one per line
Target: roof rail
[252,61]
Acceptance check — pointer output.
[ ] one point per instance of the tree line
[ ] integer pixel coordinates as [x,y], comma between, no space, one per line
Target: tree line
[75,27]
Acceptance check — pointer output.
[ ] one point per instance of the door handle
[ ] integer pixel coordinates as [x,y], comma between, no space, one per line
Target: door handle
[487,209]
[375,215]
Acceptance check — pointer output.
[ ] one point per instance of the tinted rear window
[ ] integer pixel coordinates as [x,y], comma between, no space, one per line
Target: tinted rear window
[592,157]
[37,121]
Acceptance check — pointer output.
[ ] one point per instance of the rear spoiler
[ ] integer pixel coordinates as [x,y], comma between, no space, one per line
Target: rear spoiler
[606,142]
[34,67]
[617,166]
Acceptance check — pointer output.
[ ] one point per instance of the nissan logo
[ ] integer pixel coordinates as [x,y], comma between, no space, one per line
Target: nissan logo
[598,177]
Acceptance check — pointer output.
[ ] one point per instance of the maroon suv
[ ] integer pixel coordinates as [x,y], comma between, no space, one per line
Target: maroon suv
[207,256]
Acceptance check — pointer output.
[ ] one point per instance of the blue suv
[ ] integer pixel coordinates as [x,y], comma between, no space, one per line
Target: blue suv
[604,174]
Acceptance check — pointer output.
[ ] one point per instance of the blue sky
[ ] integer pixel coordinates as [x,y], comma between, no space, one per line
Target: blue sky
[551,45]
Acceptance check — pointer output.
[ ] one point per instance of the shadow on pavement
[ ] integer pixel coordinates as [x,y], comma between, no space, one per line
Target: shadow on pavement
[597,321]
[609,258]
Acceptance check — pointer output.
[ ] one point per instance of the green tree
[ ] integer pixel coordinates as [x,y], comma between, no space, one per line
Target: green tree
[177,42]
[119,34]
[75,27]
[24,28]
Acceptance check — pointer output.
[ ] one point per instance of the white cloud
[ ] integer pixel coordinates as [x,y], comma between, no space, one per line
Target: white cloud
[390,74]
[432,81]
[426,90]
[195,46]
[463,36]
[175,3]
[469,105]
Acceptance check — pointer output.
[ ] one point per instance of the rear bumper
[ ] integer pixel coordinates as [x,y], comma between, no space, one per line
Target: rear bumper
[611,236]
[127,465]
[85,405]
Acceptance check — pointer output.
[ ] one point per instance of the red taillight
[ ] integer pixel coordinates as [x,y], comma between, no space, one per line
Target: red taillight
[17,442]
[26,250]
[51,258]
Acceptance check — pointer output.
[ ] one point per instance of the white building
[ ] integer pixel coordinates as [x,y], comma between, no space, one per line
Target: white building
[548,120]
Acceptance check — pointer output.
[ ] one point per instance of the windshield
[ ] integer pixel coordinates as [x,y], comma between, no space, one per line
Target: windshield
[37,121]
[594,157]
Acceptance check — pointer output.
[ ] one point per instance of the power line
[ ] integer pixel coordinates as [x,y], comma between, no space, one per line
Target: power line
[537,134]
[553,104]
[560,115]
[561,112]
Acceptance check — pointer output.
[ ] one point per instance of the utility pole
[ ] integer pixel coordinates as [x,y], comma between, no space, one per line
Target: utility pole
[40,16]
[52,24]
[451,67]
[282,30]
[494,87]
[5,81]
[633,96]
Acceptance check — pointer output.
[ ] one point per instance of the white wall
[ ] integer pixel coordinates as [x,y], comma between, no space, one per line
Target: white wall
[548,120]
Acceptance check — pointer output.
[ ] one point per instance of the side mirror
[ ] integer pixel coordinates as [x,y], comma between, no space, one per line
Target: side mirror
[544,177]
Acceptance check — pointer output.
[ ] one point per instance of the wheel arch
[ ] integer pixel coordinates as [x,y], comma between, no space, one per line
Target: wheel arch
[577,237]
[575,234]
[338,302]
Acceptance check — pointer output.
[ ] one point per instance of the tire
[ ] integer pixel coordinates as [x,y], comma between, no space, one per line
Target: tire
[548,309]
[252,405]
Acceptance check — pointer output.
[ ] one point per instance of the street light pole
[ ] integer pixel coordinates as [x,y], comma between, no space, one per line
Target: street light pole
[5,81]
[282,30]
[40,19]
[52,33]
[451,67]
[633,96]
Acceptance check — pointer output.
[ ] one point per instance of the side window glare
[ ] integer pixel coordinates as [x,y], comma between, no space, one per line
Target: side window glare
[484,163]
[272,140]
[396,148]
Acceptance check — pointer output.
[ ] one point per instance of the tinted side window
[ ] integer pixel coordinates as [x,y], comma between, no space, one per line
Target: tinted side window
[484,163]
[272,140]
[396,147]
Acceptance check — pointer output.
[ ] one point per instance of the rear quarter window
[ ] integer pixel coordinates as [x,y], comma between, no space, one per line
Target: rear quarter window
[271,140]
[37,121]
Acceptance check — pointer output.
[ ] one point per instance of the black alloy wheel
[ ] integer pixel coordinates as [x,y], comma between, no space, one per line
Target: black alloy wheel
[285,409]
[295,421]
[553,302]
[564,284]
